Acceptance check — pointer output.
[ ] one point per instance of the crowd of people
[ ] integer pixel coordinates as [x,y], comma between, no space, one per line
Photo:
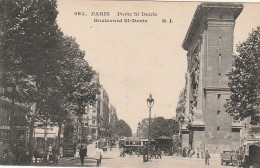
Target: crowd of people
[190,152]
[187,152]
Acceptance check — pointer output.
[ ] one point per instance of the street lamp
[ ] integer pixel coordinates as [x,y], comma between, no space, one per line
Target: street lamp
[150,103]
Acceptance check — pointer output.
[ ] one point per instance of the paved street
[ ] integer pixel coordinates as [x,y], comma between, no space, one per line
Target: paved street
[112,159]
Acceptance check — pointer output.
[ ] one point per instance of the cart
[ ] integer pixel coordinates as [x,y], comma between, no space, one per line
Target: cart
[226,157]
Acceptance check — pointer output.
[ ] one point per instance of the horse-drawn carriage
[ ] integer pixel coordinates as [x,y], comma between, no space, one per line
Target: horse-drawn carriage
[226,157]
[103,145]
[112,143]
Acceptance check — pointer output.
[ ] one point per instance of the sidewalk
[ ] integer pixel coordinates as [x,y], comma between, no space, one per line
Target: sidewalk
[74,161]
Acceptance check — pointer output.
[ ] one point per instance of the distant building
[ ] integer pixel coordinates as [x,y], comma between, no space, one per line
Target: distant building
[209,42]
[143,128]
[95,121]
[91,121]
[103,110]
[112,115]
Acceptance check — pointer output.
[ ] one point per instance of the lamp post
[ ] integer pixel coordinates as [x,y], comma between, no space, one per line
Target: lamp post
[150,103]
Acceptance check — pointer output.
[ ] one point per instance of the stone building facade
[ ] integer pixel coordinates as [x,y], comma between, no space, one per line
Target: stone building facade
[112,115]
[103,111]
[209,42]
[90,121]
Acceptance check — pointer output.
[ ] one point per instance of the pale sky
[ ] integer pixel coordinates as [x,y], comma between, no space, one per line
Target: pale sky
[136,59]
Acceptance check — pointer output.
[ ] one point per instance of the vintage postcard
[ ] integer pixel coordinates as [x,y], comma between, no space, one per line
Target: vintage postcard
[129,83]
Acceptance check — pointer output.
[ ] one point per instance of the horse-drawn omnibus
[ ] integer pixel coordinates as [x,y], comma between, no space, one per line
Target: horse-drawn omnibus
[131,144]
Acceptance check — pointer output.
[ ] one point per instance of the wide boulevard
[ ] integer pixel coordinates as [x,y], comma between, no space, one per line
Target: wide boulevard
[112,159]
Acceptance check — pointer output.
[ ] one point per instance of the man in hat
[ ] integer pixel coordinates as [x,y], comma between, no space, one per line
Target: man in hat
[82,154]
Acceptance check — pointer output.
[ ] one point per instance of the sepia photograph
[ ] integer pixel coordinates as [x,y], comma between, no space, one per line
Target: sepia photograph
[142,84]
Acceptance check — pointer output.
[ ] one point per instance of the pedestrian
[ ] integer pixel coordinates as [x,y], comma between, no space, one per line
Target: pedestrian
[98,156]
[16,154]
[110,146]
[239,157]
[184,152]
[54,153]
[188,152]
[82,154]
[152,152]
[122,152]
[130,152]
[9,158]
[192,152]
[179,150]
[202,153]
[145,154]
[36,154]
[198,153]
[207,156]
[86,147]
[138,151]
[159,152]
[233,158]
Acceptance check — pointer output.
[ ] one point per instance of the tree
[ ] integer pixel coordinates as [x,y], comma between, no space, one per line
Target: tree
[74,88]
[42,67]
[111,130]
[15,51]
[245,80]
[85,88]
[122,129]
[36,36]
[164,127]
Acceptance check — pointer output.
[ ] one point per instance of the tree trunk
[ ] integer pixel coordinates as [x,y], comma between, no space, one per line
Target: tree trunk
[45,140]
[31,139]
[31,131]
[11,122]
[59,134]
